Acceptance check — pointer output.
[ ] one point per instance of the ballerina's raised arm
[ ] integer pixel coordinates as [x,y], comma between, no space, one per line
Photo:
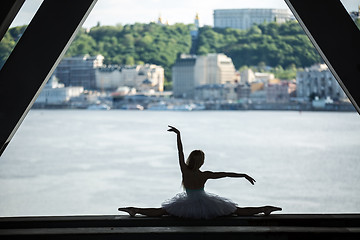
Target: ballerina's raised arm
[179,147]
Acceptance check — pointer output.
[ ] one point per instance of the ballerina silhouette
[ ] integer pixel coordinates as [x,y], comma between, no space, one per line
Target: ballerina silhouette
[195,202]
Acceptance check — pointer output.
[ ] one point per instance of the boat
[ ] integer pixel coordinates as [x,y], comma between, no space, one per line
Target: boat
[132,107]
[100,106]
[160,106]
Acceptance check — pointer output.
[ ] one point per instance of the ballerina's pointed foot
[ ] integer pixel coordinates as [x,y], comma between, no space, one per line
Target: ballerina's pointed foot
[130,210]
[270,209]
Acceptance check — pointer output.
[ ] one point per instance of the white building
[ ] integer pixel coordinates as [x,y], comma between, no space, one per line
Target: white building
[248,76]
[214,68]
[142,77]
[216,92]
[264,77]
[55,93]
[107,78]
[317,81]
[246,18]
[191,71]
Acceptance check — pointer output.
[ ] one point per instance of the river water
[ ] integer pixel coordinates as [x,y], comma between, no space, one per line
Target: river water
[70,162]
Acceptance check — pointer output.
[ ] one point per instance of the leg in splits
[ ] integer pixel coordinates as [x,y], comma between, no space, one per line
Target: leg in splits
[150,212]
[250,211]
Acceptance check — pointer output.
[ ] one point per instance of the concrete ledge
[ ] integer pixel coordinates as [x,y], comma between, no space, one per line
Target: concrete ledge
[277,226]
[304,220]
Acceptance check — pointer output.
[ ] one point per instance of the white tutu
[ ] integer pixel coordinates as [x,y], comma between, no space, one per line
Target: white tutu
[199,204]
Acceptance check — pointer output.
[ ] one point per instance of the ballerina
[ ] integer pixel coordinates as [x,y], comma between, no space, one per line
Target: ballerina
[195,202]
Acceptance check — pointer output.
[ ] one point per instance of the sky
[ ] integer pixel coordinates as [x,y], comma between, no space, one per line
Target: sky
[112,12]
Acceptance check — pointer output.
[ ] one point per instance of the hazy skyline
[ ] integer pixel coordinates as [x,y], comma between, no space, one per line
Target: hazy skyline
[112,12]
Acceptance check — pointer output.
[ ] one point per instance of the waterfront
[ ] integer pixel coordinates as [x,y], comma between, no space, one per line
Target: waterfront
[65,162]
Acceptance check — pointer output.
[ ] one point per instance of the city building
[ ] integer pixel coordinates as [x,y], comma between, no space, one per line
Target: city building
[292,89]
[108,77]
[246,18]
[264,77]
[141,77]
[248,76]
[223,92]
[243,91]
[258,97]
[79,71]
[183,76]
[317,81]
[216,92]
[55,93]
[194,32]
[191,71]
[209,92]
[278,92]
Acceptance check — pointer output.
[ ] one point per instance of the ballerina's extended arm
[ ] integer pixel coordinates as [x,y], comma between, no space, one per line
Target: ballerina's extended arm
[216,175]
[179,146]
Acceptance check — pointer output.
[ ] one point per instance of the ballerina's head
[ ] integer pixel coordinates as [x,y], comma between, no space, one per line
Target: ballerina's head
[195,160]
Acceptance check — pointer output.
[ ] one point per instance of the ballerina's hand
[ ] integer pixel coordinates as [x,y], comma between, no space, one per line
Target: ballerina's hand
[250,179]
[173,129]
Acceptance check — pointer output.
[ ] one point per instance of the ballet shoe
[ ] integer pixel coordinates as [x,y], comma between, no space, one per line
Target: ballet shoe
[270,209]
[129,210]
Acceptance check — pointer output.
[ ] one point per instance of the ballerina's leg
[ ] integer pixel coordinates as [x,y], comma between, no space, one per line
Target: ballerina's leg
[150,212]
[249,211]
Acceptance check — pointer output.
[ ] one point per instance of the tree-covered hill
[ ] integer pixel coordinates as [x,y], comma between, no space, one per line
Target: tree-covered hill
[270,44]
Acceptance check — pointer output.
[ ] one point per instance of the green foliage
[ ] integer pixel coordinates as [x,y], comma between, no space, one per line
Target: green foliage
[357,22]
[212,40]
[167,85]
[6,46]
[286,74]
[83,44]
[8,42]
[16,32]
[270,43]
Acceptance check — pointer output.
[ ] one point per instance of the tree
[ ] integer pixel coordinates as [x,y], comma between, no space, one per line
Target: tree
[287,74]
[7,44]
[17,32]
[129,60]
[84,44]
[254,30]
[357,22]
[272,43]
